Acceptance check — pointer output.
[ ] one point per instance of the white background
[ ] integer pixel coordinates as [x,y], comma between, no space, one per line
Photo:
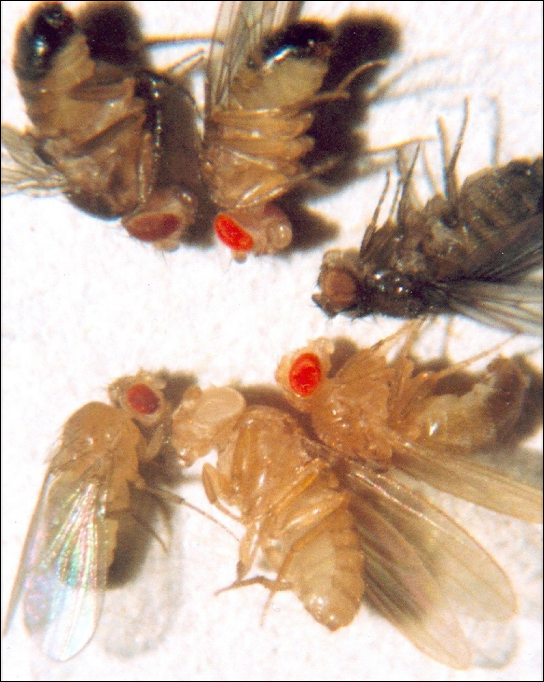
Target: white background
[84,304]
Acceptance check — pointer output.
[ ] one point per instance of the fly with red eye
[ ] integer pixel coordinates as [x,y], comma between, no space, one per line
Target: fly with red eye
[264,82]
[387,413]
[71,542]
[335,529]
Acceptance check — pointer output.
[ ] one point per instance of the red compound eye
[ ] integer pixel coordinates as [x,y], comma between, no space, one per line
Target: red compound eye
[231,234]
[305,374]
[143,399]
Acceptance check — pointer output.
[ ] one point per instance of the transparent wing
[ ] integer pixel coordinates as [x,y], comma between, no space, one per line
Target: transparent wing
[23,170]
[473,482]
[63,568]
[422,568]
[239,30]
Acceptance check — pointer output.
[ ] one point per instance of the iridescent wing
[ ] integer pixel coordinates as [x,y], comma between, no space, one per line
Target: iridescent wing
[63,569]
[239,30]
[23,170]
[421,568]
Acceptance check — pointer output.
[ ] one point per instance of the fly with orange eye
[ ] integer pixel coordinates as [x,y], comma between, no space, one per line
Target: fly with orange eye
[71,542]
[336,531]
[98,122]
[387,413]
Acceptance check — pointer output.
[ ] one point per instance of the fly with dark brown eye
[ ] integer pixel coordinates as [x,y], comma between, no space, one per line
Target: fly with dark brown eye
[474,251]
[97,132]
[264,78]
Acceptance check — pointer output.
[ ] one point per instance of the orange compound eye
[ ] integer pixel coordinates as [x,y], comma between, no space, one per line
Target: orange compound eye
[231,234]
[142,399]
[305,374]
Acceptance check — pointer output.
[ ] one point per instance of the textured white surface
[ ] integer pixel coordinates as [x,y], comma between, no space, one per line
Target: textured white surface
[83,304]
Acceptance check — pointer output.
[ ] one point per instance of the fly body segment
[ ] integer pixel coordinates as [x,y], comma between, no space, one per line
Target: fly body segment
[264,78]
[335,529]
[295,513]
[389,413]
[72,538]
[98,121]
[475,251]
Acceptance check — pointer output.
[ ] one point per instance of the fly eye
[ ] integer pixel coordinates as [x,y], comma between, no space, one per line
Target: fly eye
[142,399]
[305,374]
[339,287]
[231,234]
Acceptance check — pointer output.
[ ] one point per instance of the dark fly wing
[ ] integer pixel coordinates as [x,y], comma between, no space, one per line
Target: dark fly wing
[520,252]
[239,30]
[516,307]
[502,292]
[495,286]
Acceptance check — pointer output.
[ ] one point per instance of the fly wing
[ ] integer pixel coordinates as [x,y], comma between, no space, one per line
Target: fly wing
[239,30]
[502,292]
[516,306]
[421,567]
[518,256]
[63,568]
[473,482]
[404,591]
[23,170]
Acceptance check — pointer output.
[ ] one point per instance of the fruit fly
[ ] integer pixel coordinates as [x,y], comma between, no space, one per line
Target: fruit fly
[290,502]
[98,128]
[388,413]
[73,533]
[264,77]
[471,251]
[333,529]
